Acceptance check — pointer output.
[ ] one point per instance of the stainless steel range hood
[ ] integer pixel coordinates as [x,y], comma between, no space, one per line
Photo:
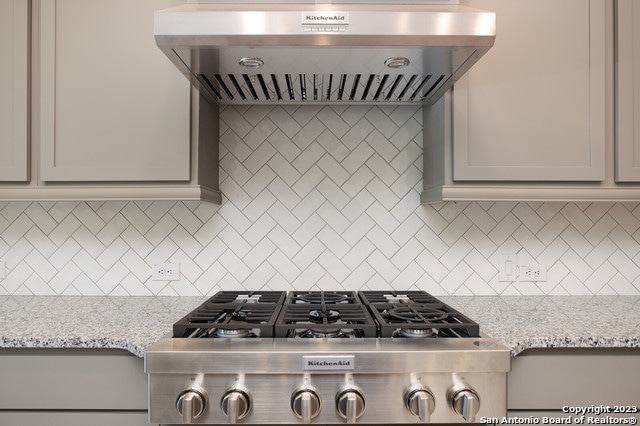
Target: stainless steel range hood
[284,52]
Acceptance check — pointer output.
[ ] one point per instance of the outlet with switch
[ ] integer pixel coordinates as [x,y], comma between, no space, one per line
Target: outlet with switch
[510,270]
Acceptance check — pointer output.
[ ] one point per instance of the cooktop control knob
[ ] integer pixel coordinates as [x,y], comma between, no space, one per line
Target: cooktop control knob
[305,403]
[350,403]
[466,403]
[191,404]
[236,404]
[420,402]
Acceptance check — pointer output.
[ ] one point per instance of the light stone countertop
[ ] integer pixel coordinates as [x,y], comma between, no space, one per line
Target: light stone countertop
[130,323]
[134,323]
[524,322]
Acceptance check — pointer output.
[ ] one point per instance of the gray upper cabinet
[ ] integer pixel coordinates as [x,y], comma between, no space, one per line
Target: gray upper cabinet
[14,31]
[628,91]
[535,118]
[112,107]
[533,108]
[95,110]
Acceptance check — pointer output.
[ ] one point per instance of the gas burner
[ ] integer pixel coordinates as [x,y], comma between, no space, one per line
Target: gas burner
[416,333]
[323,297]
[233,314]
[416,313]
[320,316]
[324,312]
[316,334]
[240,315]
[234,333]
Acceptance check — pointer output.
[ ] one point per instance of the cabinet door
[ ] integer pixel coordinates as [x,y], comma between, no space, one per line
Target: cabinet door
[14,50]
[73,418]
[533,108]
[113,108]
[628,91]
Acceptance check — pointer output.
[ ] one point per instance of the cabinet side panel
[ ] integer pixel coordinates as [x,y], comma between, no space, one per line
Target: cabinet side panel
[628,91]
[14,48]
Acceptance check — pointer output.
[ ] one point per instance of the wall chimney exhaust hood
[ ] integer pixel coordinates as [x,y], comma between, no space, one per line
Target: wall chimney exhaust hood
[277,51]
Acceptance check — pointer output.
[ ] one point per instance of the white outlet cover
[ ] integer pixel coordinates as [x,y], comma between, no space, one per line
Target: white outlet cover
[532,273]
[165,272]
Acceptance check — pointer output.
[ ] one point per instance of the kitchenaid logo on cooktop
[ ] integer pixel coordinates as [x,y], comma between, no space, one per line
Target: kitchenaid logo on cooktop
[328,362]
[323,18]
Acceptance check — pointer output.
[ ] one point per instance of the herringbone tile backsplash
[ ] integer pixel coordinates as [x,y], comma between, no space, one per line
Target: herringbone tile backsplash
[318,198]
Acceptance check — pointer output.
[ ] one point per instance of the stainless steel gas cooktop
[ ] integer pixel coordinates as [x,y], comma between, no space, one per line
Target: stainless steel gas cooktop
[326,357]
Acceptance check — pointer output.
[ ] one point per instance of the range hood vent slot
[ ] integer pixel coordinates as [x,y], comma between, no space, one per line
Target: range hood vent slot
[314,88]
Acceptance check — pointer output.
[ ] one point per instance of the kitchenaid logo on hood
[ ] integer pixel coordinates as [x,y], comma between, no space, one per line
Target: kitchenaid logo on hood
[328,362]
[323,18]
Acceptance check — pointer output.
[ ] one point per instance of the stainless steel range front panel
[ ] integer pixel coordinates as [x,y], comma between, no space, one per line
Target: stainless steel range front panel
[383,372]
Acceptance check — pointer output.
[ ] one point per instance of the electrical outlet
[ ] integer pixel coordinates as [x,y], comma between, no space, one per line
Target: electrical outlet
[165,272]
[3,269]
[532,273]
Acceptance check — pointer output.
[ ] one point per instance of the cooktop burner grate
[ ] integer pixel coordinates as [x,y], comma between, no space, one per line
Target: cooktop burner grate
[369,297]
[324,314]
[306,297]
[276,297]
[416,314]
[295,320]
[233,314]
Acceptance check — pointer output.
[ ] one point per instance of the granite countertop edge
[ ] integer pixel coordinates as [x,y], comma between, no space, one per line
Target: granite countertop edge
[565,342]
[135,323]
[74,343]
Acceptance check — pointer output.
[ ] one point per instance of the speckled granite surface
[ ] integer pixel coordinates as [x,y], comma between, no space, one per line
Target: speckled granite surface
[130,323]
[523,322]
[134,323]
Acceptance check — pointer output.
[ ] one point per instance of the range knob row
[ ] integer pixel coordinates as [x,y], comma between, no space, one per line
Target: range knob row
[349,401]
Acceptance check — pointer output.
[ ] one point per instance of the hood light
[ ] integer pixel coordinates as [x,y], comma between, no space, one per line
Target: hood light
[251,62]
[396,62]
